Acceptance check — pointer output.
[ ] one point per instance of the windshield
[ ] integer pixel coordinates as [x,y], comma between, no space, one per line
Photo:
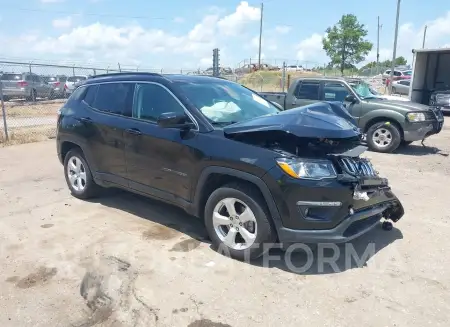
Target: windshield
[364,90]
[225,102]
[11,77]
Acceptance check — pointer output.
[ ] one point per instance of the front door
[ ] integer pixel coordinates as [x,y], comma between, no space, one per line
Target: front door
[159,160]
[337,91]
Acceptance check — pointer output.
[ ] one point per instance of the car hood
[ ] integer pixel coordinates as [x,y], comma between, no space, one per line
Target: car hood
[319,120]
[398,104]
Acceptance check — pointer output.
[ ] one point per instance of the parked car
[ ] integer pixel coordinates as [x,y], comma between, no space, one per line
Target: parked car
[249,68]
[24,86]
[254,174]
[387,123]
[294,68]
[57,83]
[441,99]
[401,87]
[398,75]
[72,83]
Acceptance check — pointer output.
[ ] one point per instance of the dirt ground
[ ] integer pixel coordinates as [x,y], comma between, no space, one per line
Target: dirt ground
[123,260]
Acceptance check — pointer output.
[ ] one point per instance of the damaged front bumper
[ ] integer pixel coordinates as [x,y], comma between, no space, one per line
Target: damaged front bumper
[335,210]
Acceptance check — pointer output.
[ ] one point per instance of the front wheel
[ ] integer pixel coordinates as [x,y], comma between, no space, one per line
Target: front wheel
[383,137]
[238,223]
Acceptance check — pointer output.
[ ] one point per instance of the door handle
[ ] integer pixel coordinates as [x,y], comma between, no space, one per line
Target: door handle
[86,120]
[133,131]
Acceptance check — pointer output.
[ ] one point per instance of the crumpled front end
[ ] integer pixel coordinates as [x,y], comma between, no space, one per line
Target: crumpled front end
[335,209]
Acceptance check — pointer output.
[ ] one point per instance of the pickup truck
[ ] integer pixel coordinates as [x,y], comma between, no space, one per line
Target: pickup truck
[386,123]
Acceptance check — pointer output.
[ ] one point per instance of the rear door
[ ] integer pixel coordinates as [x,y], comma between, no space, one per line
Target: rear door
[306,92]
[107,105]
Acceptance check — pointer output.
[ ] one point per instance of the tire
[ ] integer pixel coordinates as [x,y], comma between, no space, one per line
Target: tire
[89,188]
[387,128]
[33,96]
[258,227]
[406,143]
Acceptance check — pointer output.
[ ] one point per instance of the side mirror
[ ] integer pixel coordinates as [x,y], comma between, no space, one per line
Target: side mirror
[350,98]
[174,120]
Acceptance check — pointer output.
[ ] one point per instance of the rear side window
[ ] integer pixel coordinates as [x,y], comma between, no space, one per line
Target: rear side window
[115,98]
[90,94]
[307,90]
[11,77]
[335,91]
[63,79]
[397,73]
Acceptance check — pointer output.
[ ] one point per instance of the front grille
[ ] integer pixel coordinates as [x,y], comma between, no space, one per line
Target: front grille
[358,166]
[438,112]
[429,115]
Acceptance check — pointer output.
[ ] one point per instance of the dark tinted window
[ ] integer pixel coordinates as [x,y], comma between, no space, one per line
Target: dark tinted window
[152,100]
[397,73]
[11,77]
[77,94]
[90,94]
[36,78]
[308,90]
[115,98]
[404,83]
[335,92]
[62,79]
[29,78]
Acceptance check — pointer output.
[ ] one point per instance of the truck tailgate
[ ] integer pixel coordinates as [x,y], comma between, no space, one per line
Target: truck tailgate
[277,97]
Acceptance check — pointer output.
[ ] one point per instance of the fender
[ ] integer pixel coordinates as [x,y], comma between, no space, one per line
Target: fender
[81,144]
[241,175]
[382,113]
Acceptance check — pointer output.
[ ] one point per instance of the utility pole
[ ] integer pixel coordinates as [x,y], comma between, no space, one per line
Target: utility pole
[260,35]
[424,36]
[394,51]
[378,44]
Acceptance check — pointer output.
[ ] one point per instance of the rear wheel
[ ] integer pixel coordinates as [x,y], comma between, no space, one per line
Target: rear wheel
[78,175]
[383,137]
[237,222]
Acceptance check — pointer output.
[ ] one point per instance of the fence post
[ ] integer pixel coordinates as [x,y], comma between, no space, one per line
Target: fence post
[5,125]
[288,81]
[118,64]
[283,76]
[29,67]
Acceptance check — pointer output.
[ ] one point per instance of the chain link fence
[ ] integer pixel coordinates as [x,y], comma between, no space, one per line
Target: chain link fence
[32,93]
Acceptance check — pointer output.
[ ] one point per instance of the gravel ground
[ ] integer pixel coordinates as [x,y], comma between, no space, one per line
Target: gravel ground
[123,260]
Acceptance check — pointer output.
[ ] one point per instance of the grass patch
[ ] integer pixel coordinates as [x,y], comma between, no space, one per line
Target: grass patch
[25,109]
[270,81]
[23,135]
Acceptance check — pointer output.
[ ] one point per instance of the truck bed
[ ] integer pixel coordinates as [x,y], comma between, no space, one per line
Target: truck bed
[277,97]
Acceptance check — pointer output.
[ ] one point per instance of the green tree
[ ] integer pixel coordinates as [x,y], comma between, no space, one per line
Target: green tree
[344,43]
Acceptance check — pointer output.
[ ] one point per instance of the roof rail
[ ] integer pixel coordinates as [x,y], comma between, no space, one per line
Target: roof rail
[124,73]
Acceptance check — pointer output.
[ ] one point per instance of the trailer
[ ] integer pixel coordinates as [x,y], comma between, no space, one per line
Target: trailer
[430,78]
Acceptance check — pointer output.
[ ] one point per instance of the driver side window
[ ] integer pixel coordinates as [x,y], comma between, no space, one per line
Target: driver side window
[152,100]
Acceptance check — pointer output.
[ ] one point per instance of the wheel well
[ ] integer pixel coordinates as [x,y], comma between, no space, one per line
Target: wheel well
[217,180]
[383,119]
[66,147]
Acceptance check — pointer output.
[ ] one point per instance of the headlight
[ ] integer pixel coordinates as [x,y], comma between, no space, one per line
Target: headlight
[307,168]
[415,116]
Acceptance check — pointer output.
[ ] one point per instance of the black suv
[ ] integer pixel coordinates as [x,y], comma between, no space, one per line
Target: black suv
[255,174]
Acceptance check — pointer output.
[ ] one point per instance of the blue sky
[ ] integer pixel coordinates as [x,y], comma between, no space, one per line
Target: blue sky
[181,34]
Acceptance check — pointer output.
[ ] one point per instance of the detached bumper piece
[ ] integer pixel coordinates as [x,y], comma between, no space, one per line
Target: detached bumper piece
[354,225]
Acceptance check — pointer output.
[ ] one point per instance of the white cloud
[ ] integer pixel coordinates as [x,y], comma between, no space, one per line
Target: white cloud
[310,49]
[65,22]
[282,29]
[178,20]
[268,44]
[410,37]
[234,23]
[133,43]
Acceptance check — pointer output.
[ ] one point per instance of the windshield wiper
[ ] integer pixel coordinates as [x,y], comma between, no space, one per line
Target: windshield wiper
[222,123]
